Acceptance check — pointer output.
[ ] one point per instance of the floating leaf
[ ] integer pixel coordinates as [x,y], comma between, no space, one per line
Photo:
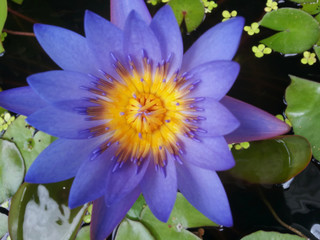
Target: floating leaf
[3,17]
[191,11]
[303,110]
[299,31]
[11,169]
[272,161]
[183,216]
[311,8]
[135,211]
[84,233]
[3,224]
[317,51]
[133,230]
[18,1]
[262,235]
[41,212]
[29,142]
[304,1]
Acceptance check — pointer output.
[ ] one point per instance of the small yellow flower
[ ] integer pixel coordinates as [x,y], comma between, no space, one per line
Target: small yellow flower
[209,6]
[5,120]
[308,58]
[271,5]
[227,15]
[254,28]
[260,50]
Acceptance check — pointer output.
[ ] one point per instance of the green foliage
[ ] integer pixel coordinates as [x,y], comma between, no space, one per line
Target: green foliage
[84,233]
[317,51]
[11,169]
[3,224]
[262,235]
[304,1]
[191,11]
[29,142]
[311,8]
[3,17]
[303,110]
[183,216]
[299,31]
[272,161]
[41,212]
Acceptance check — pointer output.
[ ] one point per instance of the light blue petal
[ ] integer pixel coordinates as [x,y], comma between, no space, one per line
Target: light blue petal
[22,100]
[90,181]
[218,43]
[255,124]
[214,118]
[66,48]
[208,153]
[105,218]
[103,38]
[166,28]
[60,160]
[138,37]
[55,86]
[123,180]
[204,190]
[160,189]
[216,78]
[61,123]
[120,10]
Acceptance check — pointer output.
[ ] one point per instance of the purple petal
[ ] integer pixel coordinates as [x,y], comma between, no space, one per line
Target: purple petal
[215,119]
[138,37]
[255,124]
[204,190]
[160,189]
[105,219]
[90,181]
[62,123]
[216,77]
[55,86]
[22,100]
[66,48]
[120,10]
[218,43]
[209,153]
[123,180]
[103,38]
[60,160]
[166,28]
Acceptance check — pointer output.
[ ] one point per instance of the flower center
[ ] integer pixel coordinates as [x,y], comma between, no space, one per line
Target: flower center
[145,113]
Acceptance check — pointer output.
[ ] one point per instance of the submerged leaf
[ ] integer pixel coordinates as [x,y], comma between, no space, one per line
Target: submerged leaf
[41,212]
[11,169]
[272,161]
[303,110]
[299,31]
[191,11]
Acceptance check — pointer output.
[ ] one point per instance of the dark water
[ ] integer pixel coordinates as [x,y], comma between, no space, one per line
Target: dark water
[262,82]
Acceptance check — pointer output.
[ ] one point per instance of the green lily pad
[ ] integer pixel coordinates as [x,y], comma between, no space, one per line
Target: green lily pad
[303,110]
[262,235]
[272,161]
[299,31]
[11,169]
[311,8]
[191,11]
[29,142]
[41,212]
[3,17]
[84,233]
[304,1]
[135,211]
[317,51]
[133,230]
[183,216]
[3,224]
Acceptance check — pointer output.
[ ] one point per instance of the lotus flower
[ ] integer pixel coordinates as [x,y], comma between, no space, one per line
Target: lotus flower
[134,114]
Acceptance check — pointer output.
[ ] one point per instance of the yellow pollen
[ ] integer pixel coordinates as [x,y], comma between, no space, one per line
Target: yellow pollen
[145,111]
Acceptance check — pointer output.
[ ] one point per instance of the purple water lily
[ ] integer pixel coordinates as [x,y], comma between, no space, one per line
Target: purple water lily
[134,114]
